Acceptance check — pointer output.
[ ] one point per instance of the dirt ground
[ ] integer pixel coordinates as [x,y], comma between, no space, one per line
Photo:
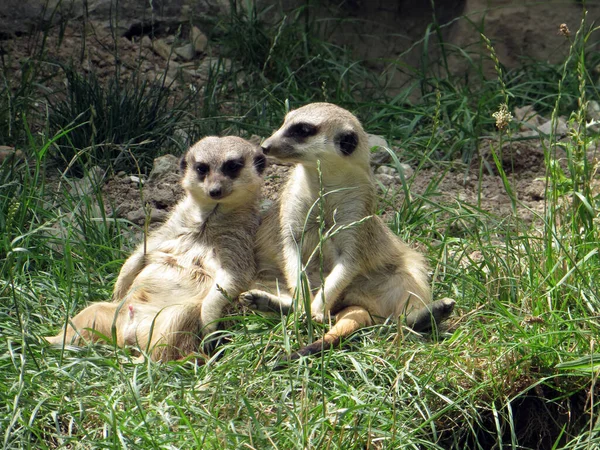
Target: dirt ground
[523,160]
[471,184]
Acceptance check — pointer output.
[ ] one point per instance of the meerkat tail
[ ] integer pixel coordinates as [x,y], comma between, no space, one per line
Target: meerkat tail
[431,315]
[353,318]
[348,321]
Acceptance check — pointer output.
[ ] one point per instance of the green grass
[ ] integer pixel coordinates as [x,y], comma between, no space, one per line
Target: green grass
[518,368]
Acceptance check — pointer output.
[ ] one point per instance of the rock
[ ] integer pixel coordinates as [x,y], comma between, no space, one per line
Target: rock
[7,153]
[186,52]
[593,110]
[164,165]
[166,80]
[86,185]
[407,171]
[387,180]
[136,180]
[175,71]
[379,154]
[182,137]
[380,157]
[377,141]
[387,170]
[546,128]
[199,40]
[528,117]
[211,64]
[146,42]
[162,49]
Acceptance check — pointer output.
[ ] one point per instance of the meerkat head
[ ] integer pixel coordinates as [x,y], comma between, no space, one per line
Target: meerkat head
[320,132]
[225,170]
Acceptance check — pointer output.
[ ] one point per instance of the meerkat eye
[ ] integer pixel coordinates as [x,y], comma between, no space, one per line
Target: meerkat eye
[202,170]
[232,167]
[301,130]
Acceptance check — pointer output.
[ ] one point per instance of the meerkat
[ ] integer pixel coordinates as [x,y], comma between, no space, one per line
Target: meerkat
[171,293]
[370,275]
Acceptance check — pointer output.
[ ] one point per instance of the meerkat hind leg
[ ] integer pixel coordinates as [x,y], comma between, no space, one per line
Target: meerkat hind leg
[348,321]
[263,301]
[94,321]
[430,316]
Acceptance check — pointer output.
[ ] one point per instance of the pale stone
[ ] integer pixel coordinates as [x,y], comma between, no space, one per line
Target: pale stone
[528,117]
[86,185]
[386,169]
[146,42]
[593,110]
[386,180]
[186,52]
[164,165]
[162,49]
[136,180]
[199,40]
[407,171]
[561,128]
[379,154]
[212,64]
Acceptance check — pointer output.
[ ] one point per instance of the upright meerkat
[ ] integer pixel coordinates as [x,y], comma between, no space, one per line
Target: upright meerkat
[168,297]
[370,275]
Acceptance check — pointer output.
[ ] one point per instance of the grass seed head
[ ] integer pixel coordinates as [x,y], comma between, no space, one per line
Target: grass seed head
[564,30]
[502,116]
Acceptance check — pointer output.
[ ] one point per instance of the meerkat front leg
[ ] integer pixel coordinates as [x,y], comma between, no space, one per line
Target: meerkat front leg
[345,268]
[292,260]
[216,300]
[338,279]
[130,270]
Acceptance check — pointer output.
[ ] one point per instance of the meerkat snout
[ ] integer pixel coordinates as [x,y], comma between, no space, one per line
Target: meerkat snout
[320,132]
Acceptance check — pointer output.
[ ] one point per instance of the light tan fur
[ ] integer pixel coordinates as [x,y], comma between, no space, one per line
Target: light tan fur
[166,299]
[370,274]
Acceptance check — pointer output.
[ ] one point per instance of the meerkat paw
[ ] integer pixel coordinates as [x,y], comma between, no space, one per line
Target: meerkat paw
[317,308]
[255,299]
[318,317]
[263,301]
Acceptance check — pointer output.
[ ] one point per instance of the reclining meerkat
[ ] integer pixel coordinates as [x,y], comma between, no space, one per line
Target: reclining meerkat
[370,275]
[170,295]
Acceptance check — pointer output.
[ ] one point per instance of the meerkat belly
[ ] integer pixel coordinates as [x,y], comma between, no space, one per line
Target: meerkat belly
[177,276]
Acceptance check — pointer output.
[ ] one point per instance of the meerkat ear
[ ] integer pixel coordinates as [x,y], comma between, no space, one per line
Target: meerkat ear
[183,163]
[260,162]
[347,141]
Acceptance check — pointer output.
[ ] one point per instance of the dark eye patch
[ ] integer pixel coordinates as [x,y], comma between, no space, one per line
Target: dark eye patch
[301,130]
[233,167]
[202,170]
[182,164]
[260,162]
[347,142]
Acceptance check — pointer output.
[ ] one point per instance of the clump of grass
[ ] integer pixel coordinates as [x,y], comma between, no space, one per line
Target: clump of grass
[123,125]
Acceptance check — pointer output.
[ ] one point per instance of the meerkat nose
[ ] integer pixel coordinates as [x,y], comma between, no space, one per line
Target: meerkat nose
[266,149]
[215,193]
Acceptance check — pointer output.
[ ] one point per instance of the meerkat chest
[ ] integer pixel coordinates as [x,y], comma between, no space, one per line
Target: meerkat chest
[188,252]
